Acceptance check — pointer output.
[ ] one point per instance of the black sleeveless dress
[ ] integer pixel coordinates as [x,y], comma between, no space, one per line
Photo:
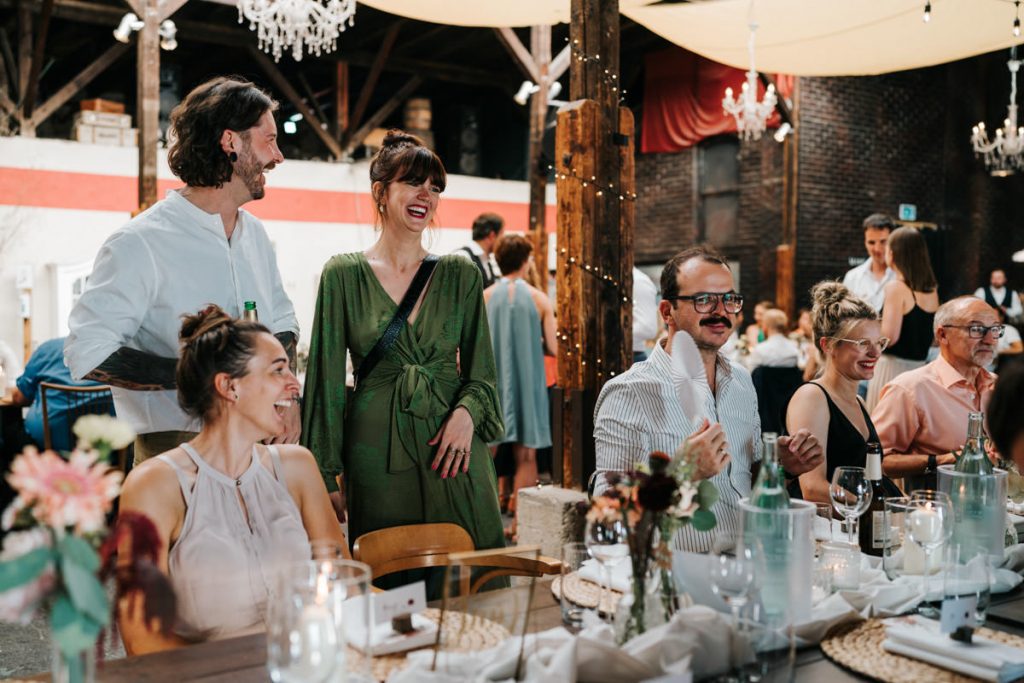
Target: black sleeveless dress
[846,446]
[916,334]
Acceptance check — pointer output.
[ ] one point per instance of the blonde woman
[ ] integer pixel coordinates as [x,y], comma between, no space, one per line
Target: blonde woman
[849,335]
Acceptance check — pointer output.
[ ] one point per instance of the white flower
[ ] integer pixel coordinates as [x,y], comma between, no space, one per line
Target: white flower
[686,505]
[18,605]
[94,429]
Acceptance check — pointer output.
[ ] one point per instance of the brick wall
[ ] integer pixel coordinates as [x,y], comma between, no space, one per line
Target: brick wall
[866,144]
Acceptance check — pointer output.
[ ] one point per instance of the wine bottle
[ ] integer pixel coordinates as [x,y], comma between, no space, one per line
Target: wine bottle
[770,488]
[872,523]
[973,459]
[250,312]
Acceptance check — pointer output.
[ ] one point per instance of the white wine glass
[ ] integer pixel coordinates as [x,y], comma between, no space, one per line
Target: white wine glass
[929,524]
[851,495]
[606,542]
[731,570]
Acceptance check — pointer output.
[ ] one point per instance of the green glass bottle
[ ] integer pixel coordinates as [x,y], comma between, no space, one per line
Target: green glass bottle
[250,312]
[770,488]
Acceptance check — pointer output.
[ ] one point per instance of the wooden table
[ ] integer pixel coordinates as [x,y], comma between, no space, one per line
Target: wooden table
[243,659]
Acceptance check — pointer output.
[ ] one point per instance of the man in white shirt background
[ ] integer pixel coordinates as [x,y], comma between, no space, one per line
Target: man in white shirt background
[193,248]
[487,228]
[645,313]
[868,280]
[777,350]
[998,295]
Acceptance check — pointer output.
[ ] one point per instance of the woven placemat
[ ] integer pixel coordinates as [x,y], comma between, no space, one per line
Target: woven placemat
[858,647]
[471,633]
[584,593]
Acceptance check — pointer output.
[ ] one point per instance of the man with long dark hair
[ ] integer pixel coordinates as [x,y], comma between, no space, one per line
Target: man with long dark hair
[195,247]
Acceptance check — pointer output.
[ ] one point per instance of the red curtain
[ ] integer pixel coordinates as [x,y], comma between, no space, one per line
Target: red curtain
[683,99]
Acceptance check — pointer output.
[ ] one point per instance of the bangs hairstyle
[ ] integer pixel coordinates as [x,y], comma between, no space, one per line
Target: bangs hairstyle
[910,257]
[212,342]
[403,158]
[224,103]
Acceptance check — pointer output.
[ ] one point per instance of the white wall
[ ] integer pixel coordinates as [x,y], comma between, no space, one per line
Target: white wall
[59,200]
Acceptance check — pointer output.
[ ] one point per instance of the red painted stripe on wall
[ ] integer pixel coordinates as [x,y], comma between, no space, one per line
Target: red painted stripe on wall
[93,192]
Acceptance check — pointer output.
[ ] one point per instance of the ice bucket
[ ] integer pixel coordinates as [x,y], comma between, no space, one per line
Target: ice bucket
[783,542]
[979,510]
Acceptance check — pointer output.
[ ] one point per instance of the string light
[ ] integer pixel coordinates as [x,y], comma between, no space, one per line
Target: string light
[600,189]
[927,12]
[1016,19]
[609,78]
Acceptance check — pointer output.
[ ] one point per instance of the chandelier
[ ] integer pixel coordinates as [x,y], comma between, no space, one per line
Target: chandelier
[296,23]
[751,116]
[1004,155]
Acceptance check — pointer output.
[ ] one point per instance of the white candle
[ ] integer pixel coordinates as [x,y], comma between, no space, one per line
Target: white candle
[319,638]
[925,526]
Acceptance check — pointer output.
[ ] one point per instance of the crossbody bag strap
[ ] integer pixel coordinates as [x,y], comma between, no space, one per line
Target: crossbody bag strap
[387,340]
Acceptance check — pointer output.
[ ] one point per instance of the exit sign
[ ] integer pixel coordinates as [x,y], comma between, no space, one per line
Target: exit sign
[908,212]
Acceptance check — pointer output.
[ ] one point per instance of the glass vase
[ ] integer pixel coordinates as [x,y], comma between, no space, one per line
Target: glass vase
[651,603]
[80,668]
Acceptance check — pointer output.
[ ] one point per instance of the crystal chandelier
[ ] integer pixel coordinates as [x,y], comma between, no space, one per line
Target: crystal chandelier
[751,116]
[1004,155]
[297,23]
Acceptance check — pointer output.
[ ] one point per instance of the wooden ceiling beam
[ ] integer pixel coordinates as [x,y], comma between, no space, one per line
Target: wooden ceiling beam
[520,55]
[370,84]
[38,53]
[308,115]
[378,117]
[72,87]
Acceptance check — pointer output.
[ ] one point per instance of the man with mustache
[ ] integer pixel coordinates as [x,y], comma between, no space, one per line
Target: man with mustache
[639,411]
[921,416]
[193,248]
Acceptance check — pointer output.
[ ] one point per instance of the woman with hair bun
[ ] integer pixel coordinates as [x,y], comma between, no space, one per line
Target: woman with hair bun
[848,334]
[412,441]
[230,511]
[908,310]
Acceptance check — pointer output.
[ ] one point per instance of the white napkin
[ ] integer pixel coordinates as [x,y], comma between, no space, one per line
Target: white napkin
[621,574]
[688,368]
[921,639]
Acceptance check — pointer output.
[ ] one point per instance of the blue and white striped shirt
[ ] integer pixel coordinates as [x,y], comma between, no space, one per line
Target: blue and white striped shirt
[639,412]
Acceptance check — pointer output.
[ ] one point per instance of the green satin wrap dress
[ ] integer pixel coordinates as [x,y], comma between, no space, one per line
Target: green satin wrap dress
[441,361]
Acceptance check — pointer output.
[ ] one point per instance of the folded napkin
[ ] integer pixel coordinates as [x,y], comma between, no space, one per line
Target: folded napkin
[622,574]
[697,641]
[920,638]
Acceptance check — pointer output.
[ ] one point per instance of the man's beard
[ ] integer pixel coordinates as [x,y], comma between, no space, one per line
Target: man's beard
[249,170]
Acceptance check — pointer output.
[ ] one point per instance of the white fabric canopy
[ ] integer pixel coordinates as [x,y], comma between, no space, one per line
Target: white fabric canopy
[799,37]
[834,37]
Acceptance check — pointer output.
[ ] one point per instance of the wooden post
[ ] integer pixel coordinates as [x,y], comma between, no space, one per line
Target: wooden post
[24,65]
[594,178]
[537,172]
[340,100]
[147,94]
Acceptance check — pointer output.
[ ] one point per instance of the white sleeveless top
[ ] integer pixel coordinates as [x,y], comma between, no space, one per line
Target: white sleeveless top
[223,569]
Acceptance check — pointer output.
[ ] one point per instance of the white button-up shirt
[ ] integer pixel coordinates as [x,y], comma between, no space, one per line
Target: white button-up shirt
[777,351]
[171,260]
[863,283]
[646,324]
[639,412]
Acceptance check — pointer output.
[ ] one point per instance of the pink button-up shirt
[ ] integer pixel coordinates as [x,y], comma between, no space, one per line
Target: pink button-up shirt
[925,410]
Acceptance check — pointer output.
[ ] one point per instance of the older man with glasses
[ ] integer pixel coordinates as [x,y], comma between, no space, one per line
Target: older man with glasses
[921,416]
[639,411]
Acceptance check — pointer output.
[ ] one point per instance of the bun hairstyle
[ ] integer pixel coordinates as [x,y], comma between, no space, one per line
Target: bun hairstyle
[835,310]
[403,157]
[212,342]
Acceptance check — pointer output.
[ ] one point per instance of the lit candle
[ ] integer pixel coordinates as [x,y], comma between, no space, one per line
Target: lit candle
[925,527]
[319,638]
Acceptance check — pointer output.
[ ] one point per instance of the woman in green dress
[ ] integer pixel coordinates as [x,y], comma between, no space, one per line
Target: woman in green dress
[412,444]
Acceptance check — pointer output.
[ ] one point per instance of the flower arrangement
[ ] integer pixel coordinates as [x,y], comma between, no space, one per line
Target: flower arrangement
[654,501]
[56,524]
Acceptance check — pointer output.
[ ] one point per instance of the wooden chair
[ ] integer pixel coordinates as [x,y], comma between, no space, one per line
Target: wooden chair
[418,546]
[94,400]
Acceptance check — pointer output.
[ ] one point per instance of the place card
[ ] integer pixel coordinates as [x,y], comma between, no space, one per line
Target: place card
[406,601]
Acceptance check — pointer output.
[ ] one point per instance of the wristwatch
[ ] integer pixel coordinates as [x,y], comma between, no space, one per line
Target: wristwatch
[933,463]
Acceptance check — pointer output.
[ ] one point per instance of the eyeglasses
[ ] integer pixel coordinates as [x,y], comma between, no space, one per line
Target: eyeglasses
[863,345]
[980,331]
[705,302]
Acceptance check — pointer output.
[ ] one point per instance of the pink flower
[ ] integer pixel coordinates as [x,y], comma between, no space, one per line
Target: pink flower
[18,605]
[65,493]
